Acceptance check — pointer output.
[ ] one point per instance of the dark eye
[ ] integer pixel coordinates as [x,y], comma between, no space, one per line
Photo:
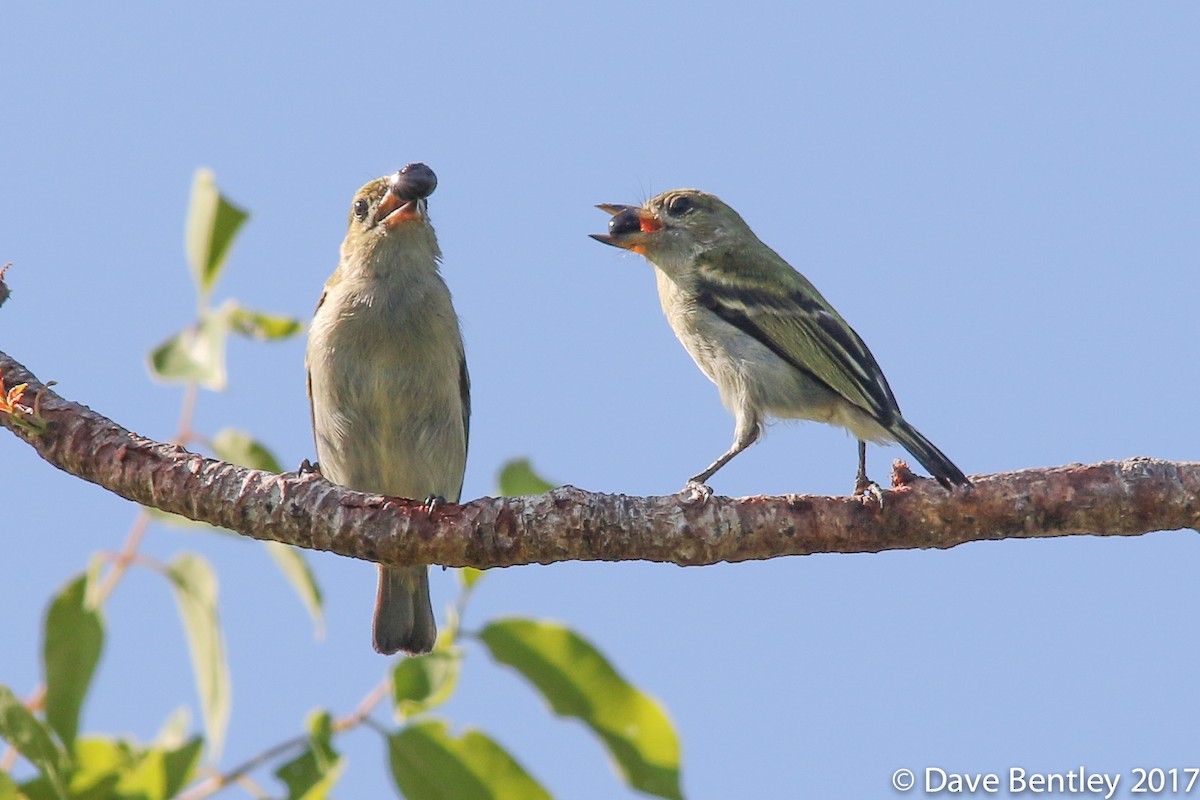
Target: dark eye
[360,209]
[680,205]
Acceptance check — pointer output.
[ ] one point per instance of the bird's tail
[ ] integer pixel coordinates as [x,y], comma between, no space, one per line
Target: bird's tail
[931,458]
[403,613]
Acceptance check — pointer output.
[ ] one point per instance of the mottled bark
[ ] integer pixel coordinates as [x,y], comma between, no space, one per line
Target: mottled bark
[1117,498]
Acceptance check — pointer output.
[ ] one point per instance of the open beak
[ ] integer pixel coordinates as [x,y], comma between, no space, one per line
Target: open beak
[394,209]
[631,227]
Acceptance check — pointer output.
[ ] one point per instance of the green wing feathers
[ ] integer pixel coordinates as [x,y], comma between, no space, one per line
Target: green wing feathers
[799,326]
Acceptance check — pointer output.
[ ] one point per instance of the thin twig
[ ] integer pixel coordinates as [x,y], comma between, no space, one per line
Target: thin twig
[215,783]
[364,708]
[126,556]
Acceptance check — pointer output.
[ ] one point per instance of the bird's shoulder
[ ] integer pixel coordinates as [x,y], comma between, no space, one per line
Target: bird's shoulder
[756,280]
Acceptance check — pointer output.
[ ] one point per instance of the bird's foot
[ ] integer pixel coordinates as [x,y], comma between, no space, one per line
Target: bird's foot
[309,467]
[868,491]
[432,502]
[696,491]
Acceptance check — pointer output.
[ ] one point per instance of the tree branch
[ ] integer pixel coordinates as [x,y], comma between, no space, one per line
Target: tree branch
[1124,498]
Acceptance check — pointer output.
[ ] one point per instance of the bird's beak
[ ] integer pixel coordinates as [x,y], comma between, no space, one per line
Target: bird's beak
[394,209]
[631,227]
[615,208]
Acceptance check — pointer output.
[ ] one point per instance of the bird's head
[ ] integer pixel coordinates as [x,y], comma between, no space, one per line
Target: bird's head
[672,226]
[392,212]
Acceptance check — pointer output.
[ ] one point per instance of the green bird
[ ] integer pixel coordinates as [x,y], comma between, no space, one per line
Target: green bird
[761,332]
[387,379]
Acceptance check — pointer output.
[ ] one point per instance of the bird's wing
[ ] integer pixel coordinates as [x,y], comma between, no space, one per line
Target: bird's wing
[464,390]
[799,326]
[312,411]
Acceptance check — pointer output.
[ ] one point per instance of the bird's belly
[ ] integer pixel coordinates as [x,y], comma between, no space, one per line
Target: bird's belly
[413,452]
[390,422]
[808,399]
[749,376]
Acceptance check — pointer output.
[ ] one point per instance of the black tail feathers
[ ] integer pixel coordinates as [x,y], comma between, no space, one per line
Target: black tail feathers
[931,458]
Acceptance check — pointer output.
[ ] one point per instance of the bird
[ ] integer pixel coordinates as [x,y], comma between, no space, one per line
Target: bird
[388,385]
[762,332]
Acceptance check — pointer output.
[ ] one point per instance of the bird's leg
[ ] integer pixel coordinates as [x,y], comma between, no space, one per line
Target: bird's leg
[744,436]
[702,478]
[864,487]
[861,482]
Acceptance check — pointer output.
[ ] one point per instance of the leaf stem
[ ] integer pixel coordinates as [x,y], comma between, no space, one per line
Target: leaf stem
[123,559]
[360,715]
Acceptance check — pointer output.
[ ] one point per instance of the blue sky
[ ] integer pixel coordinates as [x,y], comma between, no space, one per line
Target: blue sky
[1001,198]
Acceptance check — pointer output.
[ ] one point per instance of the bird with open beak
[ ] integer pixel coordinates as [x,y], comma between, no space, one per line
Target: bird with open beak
[761,332]
[387,379]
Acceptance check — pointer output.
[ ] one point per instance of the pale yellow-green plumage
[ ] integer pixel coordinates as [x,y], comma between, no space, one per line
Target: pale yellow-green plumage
[388,382]
[760,330]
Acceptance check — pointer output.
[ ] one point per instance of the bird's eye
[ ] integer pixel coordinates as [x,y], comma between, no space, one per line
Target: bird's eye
[680,205]
[360,209]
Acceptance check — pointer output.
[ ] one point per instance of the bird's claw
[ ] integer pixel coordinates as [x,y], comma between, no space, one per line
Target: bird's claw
[309,467]
[696,491]
[869,491]
[432,502]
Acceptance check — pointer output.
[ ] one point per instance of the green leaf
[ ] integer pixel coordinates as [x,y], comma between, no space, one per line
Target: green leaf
[307,779]
[421,683]
[173,732]
[577,681]
[39,788]
[32,739]
[72,637]
[430,764]
[195,586]
[299,575]
[195,354]
[98,766]
[311,774]
[517,478]
[8,789]
[212,222]
[260,325]
[469,576]
[239,447]
[99,763]
[117,769]
[161,773]
[94,569]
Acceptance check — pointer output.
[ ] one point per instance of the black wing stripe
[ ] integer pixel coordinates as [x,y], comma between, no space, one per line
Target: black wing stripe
[742,321]
[862,360]
[464,391]
[883,404]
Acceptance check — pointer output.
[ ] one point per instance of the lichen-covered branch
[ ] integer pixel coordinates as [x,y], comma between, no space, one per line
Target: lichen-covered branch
[1118,498]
